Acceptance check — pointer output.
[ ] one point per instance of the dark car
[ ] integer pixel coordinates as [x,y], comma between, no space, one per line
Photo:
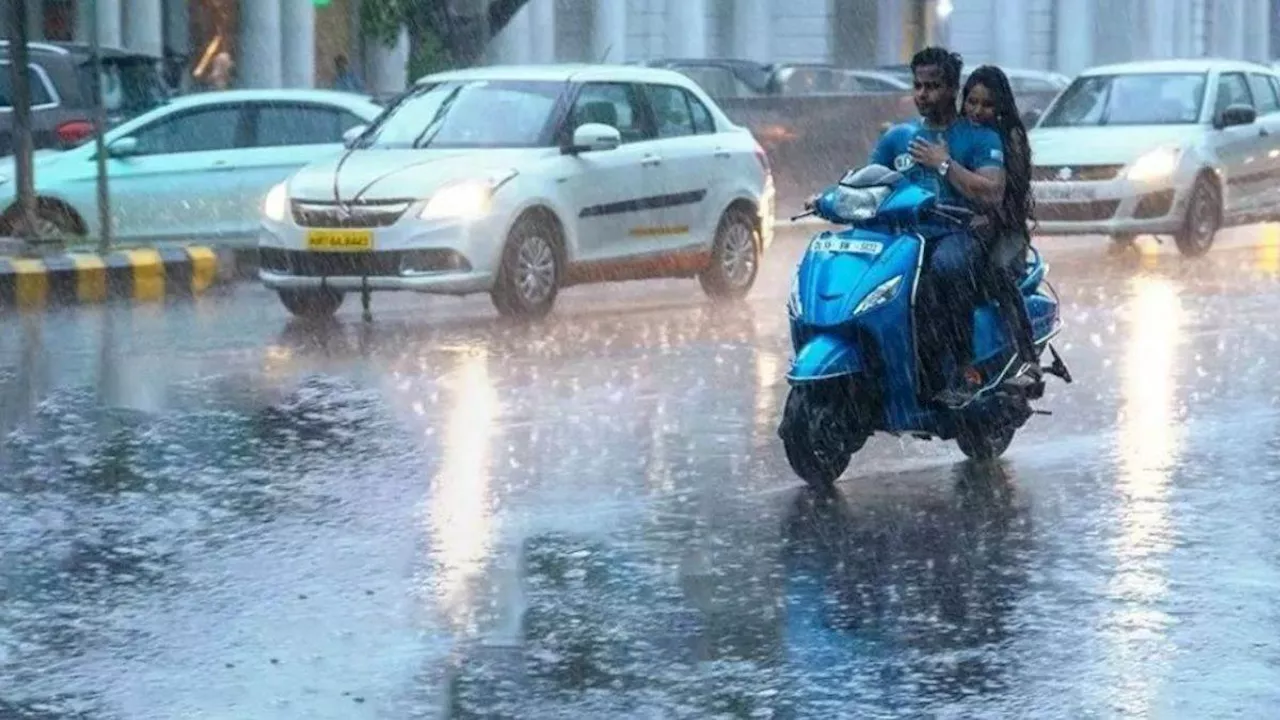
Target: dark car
[721,78]
[61,76]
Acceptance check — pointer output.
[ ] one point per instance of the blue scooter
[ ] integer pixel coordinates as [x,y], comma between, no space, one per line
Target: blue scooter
[856,369]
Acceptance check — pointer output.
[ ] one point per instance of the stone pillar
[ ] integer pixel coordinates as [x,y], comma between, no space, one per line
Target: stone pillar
[1011,48]
[177,26]
[35,20]
[1073,41]
[609,34]
[1162,18]
[751,30]
[110,33]
[258,65]
[514,45]
[686,28]
[144,26]
[542,28]
[1258,25]
[298,46]
[889,32]
[387,68]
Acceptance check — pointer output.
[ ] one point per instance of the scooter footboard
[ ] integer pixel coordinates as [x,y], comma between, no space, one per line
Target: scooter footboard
[824,357]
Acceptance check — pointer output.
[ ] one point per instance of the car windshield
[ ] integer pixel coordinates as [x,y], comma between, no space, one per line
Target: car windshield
[1152,99]
[468,114]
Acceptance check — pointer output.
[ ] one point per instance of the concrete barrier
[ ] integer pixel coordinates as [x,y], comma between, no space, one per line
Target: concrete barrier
[143,275]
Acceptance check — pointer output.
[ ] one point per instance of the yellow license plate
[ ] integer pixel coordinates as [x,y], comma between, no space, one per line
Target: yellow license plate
[340,240]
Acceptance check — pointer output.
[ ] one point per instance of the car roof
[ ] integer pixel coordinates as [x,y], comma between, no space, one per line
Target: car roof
[336,97]
[79,51]
[567,72]
[1198,65]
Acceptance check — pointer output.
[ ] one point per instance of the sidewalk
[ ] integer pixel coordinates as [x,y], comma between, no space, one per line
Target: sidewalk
[82,277]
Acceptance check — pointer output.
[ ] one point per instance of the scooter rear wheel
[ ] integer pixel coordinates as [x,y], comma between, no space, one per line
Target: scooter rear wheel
[816,435]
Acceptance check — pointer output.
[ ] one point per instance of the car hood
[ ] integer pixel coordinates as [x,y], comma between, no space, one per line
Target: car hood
[403,174]
[1105,145]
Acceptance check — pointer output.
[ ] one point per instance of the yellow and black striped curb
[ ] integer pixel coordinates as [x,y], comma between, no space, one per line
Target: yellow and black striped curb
[144,275]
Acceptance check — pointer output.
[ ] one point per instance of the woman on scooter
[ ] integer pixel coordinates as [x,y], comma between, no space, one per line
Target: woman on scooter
[987,99]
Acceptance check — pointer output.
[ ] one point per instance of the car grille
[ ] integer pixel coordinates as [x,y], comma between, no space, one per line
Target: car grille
[1079,173]
[1077,211]
[358,215]
[389,263]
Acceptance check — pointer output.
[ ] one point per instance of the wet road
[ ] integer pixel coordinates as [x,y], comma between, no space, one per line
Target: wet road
[207,511]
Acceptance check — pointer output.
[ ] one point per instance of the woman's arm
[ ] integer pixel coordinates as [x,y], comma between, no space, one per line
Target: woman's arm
[985,186]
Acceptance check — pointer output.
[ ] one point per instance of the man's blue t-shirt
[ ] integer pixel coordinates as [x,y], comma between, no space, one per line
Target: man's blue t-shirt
[970,145]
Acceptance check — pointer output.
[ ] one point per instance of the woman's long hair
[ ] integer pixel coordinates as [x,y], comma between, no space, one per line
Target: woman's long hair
[1017,207]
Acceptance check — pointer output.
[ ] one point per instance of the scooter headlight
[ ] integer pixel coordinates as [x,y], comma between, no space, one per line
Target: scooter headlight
[853,204]
[793,301]
[883,293]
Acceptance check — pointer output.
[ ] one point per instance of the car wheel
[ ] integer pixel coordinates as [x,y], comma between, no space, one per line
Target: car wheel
[735,257]
[1204,217]
[529,277]
[312,304]
[52,222]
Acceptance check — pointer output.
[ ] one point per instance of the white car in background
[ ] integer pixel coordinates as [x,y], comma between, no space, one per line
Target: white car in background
[518,181]
[1174,147]
[195,168]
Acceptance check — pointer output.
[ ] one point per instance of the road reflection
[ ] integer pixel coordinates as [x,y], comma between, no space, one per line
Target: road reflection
[901,601]
[1149,443]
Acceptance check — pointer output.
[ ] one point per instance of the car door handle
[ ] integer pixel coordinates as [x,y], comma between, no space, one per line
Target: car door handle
[220,165]
[722,153]
[651,161]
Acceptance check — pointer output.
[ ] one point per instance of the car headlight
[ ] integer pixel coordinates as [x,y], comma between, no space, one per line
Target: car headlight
[1155,165]
[883,293]
[276,204]
[466,200]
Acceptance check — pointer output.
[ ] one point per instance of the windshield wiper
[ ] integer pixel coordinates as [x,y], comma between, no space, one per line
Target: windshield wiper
[437,120]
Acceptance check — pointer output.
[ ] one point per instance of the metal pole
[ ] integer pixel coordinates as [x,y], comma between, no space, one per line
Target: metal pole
[100,129]
[22,142]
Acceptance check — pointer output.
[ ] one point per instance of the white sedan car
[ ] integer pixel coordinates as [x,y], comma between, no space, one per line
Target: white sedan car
[518,181]
[1177,147]
[196,168]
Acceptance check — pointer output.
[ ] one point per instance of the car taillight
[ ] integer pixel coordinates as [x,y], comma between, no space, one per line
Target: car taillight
[73,132]
[763,159]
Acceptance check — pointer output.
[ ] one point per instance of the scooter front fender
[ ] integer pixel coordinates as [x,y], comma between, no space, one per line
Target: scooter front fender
[825,357]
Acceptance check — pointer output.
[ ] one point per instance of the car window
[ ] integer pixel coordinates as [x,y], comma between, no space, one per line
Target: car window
[703,123]
[1232,90]
[1275,84]
[279,125]
[1264,95]
[200,130]
[40,93]
[611,104]
[1130,99]
[717,82]
[871,84]
[670,110]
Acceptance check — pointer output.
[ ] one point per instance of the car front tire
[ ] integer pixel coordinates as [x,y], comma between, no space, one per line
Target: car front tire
[311,304]
[735,257]
[1204,217]
[529,277]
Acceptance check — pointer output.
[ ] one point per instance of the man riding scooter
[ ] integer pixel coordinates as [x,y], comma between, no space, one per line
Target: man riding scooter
[962,163]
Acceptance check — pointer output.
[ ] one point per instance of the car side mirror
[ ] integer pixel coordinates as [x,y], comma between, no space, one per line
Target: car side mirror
[594,137]
[1236,115]
[123,147]
[352,134]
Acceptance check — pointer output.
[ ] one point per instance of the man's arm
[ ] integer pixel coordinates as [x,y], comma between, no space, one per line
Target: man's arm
[979,177]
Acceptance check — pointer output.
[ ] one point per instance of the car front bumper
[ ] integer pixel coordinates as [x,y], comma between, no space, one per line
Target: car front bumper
[449,258]
[1110,207]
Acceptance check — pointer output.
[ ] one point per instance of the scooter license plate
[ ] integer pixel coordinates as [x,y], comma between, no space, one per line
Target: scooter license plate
[862,247]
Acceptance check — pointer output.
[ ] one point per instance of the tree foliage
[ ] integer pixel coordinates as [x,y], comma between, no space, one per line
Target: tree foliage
[439,36]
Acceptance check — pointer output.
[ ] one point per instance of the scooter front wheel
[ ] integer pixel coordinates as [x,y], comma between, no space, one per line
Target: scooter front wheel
[816,434]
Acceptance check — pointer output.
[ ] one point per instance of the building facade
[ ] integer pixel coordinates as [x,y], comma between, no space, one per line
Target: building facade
[293,43]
